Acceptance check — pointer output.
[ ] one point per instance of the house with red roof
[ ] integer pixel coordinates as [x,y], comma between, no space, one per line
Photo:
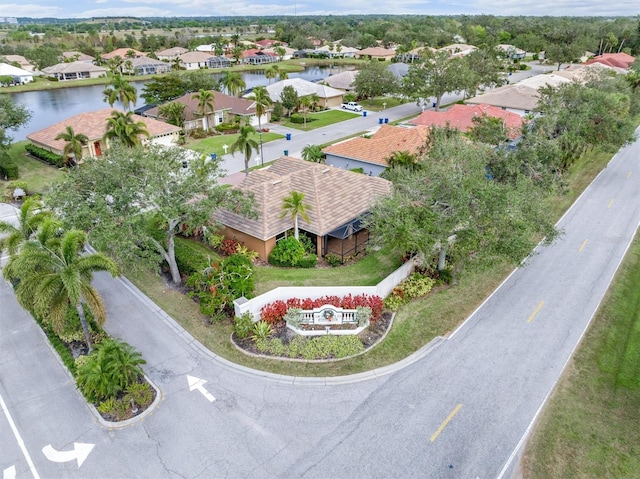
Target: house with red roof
[254,56]
[615,60]
[460,117]
[270,42]
[376,53]
[123,53]
[93,125]
[371,153]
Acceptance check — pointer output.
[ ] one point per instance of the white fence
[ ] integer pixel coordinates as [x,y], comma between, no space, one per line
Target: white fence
[382,289]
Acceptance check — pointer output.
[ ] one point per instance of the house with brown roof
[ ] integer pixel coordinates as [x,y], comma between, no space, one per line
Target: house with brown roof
[370,154]
[75,71]
[145,66]
[123,53]
[342,81]
[93,125]
[376,53]
[199,60]
[329,97]
[170,54]
[226,109]
[458,49]
[337,200]
[460,117]
[19,61]
[75,56]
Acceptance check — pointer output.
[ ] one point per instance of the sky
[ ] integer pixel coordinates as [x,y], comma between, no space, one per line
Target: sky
[218,8]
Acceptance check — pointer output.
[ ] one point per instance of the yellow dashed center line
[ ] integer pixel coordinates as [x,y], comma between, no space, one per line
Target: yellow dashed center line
[446,421]
[535,311]
[584,243]
[610,203]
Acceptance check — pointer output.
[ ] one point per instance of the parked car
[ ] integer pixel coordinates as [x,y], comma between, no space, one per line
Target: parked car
[352,105]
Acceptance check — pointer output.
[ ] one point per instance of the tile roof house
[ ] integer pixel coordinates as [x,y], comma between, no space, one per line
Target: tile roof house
[123,53]
[342,81]
[199,59]
[226,109]
[511,51]
[617,60]
[458,49]
[171,54]
[370,154]
[20,60]
[18,75]
[329,97]
[269,42]
[337,199]
[288,52]
[254,56]
[74,71]
[461,117]
[377,53]
[93,125]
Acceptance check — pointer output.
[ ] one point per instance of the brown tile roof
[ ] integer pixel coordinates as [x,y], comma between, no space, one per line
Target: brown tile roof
[221,101]
[335,197]
[93,125]
[122,53]
[461,117]
[382,144]
[517,96]
[172,51]
[377,52]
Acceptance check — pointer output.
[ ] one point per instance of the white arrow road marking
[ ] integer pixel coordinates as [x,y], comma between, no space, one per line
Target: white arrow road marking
[19,440]
[197,383]
[79,452]
[9,473]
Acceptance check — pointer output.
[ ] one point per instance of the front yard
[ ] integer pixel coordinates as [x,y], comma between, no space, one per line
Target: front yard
[215,144]
[36,173]
[320,119]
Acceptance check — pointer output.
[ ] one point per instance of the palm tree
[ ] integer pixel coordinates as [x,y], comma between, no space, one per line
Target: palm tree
[313,153]
[315,99]
[173,112]
[271,73]
[282,75]
[280,51]
[305,102]
[31,217]
[56,277]
[245,144]
[120,89]
[294,206]
[206,105]
[236,53]
[233,83]
[262,101]
[122,127]
[74,143]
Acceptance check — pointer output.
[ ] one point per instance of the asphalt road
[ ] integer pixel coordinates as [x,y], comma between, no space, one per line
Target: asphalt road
[460,409]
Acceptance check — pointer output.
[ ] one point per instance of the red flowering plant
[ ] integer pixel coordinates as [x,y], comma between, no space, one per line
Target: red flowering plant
[274,312]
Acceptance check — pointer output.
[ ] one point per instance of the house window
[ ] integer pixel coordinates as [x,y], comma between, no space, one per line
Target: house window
[281,236]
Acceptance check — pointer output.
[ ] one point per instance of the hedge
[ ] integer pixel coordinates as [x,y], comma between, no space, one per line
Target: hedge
[45,155]
[189,257]
[8,168]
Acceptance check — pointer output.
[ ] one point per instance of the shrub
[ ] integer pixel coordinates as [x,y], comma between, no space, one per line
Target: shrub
[247,253]
[277,112]
[287,252]
[242,325]
[417,285]
[227,127]
[229,246]
[111,368]
[45,155]
[237,276]
[394,300]
[307,244]
[189,257]
[261,330]
[357,170]
[363,314]
[8,168]
[274,312]
[293,317]
[333,259]
[308,261]
[139,393]
[296,118]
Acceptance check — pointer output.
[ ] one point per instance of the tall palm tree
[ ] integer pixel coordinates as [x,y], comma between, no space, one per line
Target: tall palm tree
[122,127]
[74,143]
[206,105]
[31,217]
[282,75]
[120,89]
[294,206]
[233,83]
[173,112]
[271,72]
[245,144]
[54,278]
[262,102]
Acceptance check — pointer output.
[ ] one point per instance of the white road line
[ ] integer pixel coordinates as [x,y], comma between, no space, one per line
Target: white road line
[32,467]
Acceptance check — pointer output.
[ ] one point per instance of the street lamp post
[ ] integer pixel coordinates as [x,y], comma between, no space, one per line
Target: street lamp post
[261,154]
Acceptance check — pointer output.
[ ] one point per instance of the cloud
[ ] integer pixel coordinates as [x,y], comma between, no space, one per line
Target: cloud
[30,10]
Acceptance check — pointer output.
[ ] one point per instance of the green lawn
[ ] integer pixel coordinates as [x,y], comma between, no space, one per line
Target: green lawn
[321,118]
[215,144]
[367,272]
[591,426]
[37,174]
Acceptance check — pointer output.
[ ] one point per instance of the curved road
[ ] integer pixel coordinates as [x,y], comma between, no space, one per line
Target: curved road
[459,409]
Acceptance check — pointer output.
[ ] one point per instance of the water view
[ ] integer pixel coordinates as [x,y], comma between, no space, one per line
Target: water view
[51,106]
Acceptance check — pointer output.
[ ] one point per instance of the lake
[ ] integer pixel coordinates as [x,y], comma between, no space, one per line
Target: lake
[51,106]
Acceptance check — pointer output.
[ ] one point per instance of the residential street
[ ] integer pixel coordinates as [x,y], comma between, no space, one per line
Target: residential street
[459,408]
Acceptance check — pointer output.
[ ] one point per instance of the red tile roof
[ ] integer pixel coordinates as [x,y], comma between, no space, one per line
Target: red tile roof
[382,144]
[93,125]
[461,117]
[221,101]
[618,60]
[122,53]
